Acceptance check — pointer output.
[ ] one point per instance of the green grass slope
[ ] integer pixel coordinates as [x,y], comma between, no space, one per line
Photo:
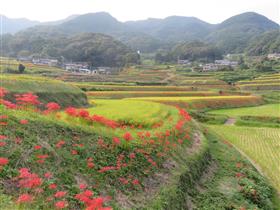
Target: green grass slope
[48,90]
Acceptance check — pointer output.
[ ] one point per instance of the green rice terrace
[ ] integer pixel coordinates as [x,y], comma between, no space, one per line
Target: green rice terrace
[142,139]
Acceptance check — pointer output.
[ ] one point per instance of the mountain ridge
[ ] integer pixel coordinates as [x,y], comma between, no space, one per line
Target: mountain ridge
[231,35]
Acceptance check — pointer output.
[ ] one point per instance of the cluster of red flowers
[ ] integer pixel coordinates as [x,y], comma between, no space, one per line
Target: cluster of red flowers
[151,147]
[27,99]
[28,180]
[84,114]
[185,114]
[52,107]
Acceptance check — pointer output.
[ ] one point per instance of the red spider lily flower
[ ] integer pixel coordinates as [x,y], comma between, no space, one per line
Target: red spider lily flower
[48,175]
[135,182]
[3,137]
[101,143]
[27,99]
[88,193]
[179,125]
[42,156]
[52,106]
[60,194]
[116,140]
[104,121]
[23,122]
[71,111]
[3,92]
[83,113]
[238,175]
[123,180]
[28,180]
[52,186]
[97,204]
[167,133]
[132,155]
[74,152]
[185,115]
[8,104]
[61,204]
[180,141]
[150,160]
[147,134]
[37,147]
[60,144]
[24,172]
[107,168]
[3,161]
[3,117]
[18,140]
[2,144]
[25,198]
[83,198]
[3,123]
[82,186]
[78,145]
[90,165]
[127,136]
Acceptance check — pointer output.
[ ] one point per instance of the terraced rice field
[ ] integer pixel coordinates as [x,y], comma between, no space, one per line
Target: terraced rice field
[207,101]
[26,83]
[267,82]
[270,110]
[262,145]
[131,94]
[30,68]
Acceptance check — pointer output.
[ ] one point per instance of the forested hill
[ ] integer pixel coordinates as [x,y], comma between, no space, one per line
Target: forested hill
[231,36]
[96,49]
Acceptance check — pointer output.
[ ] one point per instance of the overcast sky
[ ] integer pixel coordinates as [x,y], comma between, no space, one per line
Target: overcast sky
[213,11]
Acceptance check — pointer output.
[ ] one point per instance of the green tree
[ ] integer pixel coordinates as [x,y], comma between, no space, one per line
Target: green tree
[21,68]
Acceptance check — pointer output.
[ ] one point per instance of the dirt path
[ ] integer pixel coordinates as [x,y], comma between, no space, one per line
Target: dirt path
[230,121]
[170,77]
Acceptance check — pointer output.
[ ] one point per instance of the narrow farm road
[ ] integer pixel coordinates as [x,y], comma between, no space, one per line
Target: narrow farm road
[230,121]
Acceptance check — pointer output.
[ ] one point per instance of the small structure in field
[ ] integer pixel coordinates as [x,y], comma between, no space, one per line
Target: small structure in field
[210,67]
[183,62]
[226,63]
[24,59]
[273,56]
[45,61]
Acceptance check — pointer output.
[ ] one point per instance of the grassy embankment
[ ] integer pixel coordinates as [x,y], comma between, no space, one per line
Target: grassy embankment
[47,89]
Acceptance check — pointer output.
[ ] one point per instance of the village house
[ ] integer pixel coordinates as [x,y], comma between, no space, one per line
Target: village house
[45,61]
[24,59]
[183,62]
[273,56]
[79,67]
[226,63]
[210,67]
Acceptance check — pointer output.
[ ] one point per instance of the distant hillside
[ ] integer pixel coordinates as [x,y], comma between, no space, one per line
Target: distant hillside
[268,42]
[232,35]
[96,49]
[12,26]
[174,28]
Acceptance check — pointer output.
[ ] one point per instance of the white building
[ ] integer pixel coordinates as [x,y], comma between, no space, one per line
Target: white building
[273,56]
[226,63]
[183,62]
[45,61]
[210,67]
